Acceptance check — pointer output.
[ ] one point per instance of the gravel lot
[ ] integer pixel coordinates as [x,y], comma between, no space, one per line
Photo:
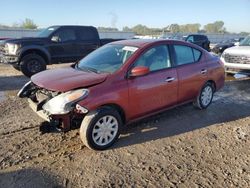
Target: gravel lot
[182,147]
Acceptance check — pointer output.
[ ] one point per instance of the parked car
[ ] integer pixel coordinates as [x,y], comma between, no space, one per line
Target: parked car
[200,40]
[122,82]
[220,47]
[56,44]
[238,57]
[238,40]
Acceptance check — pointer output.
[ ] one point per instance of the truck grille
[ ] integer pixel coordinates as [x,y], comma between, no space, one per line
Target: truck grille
[237,59]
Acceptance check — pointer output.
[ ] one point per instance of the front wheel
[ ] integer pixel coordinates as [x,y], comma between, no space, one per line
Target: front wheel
[100,128]
[16,66]
[32,64]
[205,97]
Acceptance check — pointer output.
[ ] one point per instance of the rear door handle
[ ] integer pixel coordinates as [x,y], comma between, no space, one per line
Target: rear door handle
[169,79]
[203,71]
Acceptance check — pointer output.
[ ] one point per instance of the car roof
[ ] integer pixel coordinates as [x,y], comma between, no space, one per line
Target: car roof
[197,34]
[141,42]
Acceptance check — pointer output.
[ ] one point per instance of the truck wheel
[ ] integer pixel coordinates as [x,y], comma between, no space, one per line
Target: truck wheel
[100,128]
[16,66]
[32,64]
[205,96]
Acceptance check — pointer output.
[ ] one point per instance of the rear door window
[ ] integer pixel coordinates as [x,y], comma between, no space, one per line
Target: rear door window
[85,33]
[200,38]
[197,54]
[186,55]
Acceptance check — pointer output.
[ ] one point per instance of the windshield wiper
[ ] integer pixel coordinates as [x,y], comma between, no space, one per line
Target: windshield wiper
[89,69]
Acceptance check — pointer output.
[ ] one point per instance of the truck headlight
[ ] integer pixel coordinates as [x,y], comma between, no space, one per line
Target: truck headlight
[12,48]
[223,55]
[64,103]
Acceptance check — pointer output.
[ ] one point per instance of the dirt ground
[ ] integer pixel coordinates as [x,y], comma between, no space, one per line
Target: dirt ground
[182,147]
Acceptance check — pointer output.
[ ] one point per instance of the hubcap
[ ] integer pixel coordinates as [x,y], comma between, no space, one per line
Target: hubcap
[206,95]
[105,130]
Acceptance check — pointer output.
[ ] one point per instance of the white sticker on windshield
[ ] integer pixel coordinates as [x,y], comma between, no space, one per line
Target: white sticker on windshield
[130,48]
[51,29]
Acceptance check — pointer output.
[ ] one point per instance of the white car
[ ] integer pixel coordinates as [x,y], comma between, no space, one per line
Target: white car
[237,57]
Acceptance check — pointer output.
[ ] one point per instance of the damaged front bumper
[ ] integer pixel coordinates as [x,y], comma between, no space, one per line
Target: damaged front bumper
[62,121]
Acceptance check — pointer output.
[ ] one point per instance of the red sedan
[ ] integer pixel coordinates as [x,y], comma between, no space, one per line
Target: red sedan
[122,82]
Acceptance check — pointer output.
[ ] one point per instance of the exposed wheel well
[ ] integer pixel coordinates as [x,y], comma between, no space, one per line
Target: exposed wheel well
[38,52]
[213,84]
[119,110]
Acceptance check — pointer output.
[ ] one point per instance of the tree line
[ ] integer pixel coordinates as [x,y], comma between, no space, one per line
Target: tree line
[25,24]
[215,27]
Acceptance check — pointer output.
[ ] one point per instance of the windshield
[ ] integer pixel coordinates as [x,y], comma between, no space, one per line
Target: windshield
[108,58]
[46,32]
[245,42]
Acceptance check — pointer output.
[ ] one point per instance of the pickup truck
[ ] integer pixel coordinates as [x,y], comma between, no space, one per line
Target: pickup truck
[237,58]
[56,44]
[200,40]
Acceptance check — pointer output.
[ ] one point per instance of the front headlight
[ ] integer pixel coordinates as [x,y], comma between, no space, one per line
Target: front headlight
[64,103]
[12,48]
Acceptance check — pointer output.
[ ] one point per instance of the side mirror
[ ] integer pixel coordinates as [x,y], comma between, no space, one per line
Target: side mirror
[139,71]
[55,39]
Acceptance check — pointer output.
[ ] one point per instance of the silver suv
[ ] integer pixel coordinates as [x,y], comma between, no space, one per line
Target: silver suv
[237,57]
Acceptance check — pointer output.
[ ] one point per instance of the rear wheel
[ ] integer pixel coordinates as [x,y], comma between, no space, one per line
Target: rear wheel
[100,128]
[205,97]
[32,64]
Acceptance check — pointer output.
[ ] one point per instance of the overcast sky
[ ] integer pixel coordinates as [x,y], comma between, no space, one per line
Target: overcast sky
[120,13]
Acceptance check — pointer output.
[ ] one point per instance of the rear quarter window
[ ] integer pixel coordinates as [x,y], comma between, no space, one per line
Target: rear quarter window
[197,54]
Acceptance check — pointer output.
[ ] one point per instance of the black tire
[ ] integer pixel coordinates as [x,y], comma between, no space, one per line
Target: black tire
[16,66]
[32,64]
[92,120]
[200,101]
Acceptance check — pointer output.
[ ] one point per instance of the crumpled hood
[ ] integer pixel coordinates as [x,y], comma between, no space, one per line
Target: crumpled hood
[66,79]
[239,50]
